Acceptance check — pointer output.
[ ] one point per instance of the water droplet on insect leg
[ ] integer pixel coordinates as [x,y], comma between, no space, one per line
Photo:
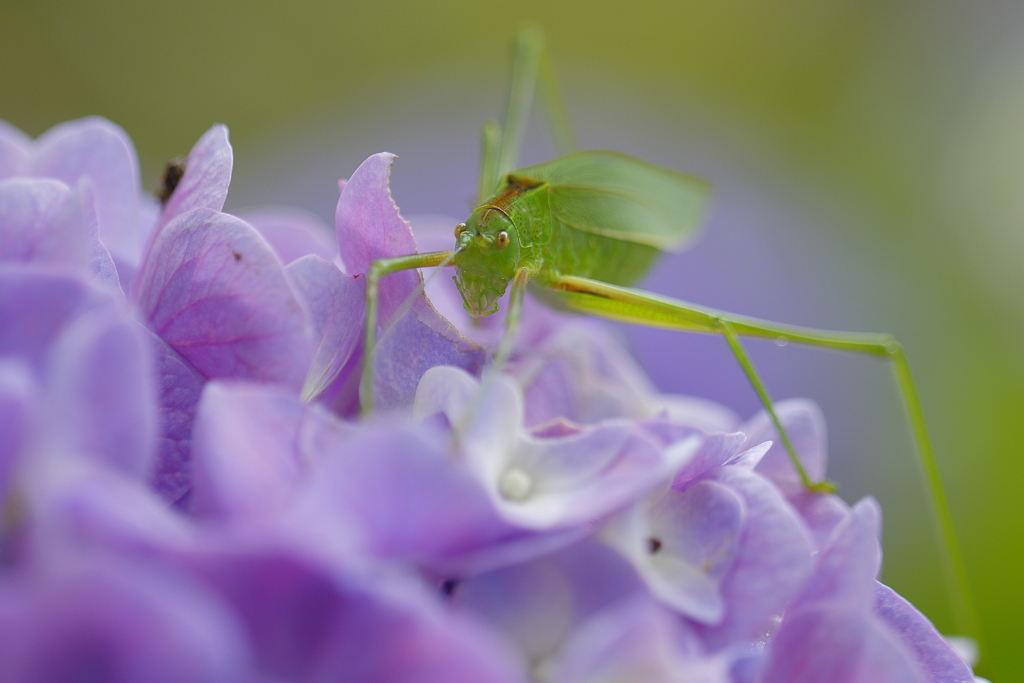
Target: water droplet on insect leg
[515,484]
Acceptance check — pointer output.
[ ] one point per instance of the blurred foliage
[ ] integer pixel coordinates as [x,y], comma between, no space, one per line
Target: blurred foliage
[911,110]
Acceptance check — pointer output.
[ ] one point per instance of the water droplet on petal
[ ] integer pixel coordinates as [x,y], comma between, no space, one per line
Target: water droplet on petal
[515,484]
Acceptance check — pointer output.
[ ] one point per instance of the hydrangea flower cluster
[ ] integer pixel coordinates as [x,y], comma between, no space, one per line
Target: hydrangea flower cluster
[187,495]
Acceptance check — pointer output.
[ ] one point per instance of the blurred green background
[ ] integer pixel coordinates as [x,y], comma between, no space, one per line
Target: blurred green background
[868,159]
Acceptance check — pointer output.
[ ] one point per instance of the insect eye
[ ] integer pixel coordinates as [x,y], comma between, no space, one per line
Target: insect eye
[502,240]
[459,229]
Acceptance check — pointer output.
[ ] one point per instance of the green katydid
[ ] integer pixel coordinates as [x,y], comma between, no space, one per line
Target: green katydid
[582,229]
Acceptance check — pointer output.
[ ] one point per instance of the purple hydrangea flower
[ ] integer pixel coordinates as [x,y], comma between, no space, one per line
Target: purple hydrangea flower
[185,494]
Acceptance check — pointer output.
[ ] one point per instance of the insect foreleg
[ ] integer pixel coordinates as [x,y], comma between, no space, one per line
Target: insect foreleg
[379,269]
[515,308]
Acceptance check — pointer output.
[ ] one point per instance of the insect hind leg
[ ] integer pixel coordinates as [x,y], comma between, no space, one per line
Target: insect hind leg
[762,392]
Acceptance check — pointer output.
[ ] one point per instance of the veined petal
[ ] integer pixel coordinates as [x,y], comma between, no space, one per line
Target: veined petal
[215,292]
[179,386]
[415,336]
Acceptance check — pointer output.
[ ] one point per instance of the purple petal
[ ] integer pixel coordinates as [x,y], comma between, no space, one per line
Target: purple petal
[586,477]
[939,661]
[586,376]
[293,233]
[821,513]
[538,604]
[839,644]
[715,450]
[43,221]
[551,482]
[216,293]
[206,179]
[773,562]
[245,457]
[94,506]
[102,391]
[684,544]
[370,228]
[17,418]
[407,499]
[416,342]
[634,640]
[336,305]
[311,624]
[849,562]
[36,304]
[179,386]
[96,148]
[14,150]
[101,263]
[116,621]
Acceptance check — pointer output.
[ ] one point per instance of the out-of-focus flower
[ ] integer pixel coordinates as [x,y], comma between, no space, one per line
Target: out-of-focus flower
[185,496]
[95,159]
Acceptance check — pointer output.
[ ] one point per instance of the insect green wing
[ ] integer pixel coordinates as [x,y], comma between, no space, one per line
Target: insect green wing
[618,196]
